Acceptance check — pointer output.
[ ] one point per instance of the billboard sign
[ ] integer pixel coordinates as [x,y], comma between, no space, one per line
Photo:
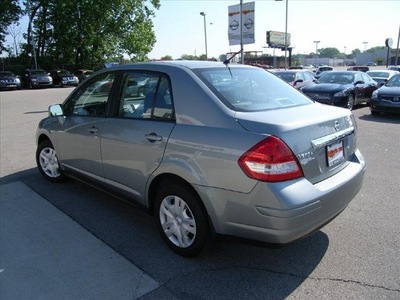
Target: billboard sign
[276,39]
[234,26]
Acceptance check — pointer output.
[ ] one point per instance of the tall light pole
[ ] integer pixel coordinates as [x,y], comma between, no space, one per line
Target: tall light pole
[205,31]
[286,33]
[316,50]
[365,46]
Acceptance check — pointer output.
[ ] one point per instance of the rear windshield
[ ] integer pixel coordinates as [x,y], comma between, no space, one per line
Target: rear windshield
[250,89]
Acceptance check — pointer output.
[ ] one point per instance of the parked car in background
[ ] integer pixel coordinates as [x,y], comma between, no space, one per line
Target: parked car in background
[9,81]
[342,88]
[387,97]
[371,64]
[394,68]
[82,74]
[296,78]
[35,78]
[293,164]
[322,69]
[63,78]
[381,76]
[358,68]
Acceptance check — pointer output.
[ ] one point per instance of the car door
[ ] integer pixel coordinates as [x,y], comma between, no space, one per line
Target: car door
[370,86]
[79,138]
[133,141]
[360,88]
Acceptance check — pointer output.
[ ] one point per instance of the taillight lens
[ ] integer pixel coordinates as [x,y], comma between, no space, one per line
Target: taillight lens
[270,160]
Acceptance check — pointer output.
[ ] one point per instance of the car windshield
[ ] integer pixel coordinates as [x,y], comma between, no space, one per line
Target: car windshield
[379,74]
[339,78]
[250,89]
[6,73]
[38,72]
[394,81]
[64,72]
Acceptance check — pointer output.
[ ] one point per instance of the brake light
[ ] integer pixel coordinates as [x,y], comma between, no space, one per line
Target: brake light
[270,160]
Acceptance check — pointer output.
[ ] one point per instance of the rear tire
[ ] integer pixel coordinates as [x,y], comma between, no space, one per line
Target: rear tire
[47,162]
[181,219]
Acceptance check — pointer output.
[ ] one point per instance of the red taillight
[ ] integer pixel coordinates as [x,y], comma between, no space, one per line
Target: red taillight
[270,160]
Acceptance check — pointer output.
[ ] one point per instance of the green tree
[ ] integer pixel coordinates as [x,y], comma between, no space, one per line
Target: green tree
[355,52]
[92,31]
[9,13]
[329,52]
[166,57]
[374,49]
[189,57]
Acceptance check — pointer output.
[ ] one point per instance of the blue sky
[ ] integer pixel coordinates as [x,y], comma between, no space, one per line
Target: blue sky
[343,24]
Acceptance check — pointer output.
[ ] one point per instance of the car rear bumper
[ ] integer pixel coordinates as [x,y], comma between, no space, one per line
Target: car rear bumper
[283,212]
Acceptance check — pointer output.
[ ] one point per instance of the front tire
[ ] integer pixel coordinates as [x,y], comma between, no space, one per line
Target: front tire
[350,102]
[47,162]
[181,219]
[375,113]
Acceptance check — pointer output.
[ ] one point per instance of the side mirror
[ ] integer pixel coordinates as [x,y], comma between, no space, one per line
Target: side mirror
[55,110]
[297,81]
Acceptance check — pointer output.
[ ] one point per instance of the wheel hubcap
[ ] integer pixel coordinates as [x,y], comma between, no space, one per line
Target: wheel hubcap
[350,103]
[49,162]
[177,221]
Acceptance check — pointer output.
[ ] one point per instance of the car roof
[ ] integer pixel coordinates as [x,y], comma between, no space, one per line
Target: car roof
[346,72]
[189,64]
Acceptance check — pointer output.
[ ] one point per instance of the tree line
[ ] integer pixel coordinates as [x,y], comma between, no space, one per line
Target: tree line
[80,32]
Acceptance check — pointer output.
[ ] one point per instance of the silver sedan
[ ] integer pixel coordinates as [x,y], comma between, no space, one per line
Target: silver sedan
[208,149]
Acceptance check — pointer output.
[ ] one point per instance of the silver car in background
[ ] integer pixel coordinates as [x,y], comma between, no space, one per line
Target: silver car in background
[208,148]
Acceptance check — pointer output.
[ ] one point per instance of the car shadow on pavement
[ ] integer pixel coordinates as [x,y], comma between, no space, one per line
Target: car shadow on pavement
[228,269]
[389,118]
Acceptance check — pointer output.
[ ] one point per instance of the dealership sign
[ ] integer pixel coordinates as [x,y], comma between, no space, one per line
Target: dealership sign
[276,39]
[241,29]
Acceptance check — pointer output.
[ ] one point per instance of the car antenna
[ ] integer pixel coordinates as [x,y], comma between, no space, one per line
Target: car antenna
[227,61]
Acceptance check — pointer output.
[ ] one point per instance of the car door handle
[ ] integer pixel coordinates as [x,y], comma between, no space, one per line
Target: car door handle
[153,137]
[93,130]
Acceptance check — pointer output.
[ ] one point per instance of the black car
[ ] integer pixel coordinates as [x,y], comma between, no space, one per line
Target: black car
[342,88]
[358,68]
[35,78]
[82,74]
[296,78]
[387,97]
[9,81]
[63,78]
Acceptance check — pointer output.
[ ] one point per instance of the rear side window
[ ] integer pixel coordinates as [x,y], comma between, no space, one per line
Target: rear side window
[250,89]
[146,96]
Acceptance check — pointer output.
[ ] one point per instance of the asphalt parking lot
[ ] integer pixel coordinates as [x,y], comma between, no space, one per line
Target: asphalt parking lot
[357,256]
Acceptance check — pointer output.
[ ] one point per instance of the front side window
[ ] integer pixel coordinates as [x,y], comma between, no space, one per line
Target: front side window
[91,99]
[307,76]
[358,78]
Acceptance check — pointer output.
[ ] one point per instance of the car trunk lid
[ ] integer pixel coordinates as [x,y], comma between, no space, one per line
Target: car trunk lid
[323,145]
